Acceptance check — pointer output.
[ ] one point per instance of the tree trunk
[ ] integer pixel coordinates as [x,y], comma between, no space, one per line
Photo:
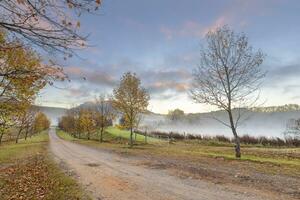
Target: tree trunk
[18,135]
[1,137]
[101,135]
[88,135]
[236,137]
[135,136]
[131,137]
[26,133]
[146,137]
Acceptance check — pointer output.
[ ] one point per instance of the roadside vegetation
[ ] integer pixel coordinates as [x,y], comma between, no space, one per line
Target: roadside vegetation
[27,172]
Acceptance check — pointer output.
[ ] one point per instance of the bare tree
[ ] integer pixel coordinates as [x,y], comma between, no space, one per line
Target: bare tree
[105,112]
[229,75]
[292,128]
[47,24]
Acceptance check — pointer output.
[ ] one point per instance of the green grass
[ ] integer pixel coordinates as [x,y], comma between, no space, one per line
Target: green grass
[10,151]
[31,168]
[111,135]
[118,133]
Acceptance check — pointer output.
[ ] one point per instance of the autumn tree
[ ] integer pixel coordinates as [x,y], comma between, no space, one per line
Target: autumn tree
[229,75]
[46,24]
[5,122]
[41,122]
[87,123]
[67,123]
[22,76]
[176,114]
[24,121]
[131,99]
[104,115]
[29,121]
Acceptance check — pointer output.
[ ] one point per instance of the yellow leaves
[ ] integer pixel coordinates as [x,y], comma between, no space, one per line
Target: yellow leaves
[130,98]
[41,122]
[23,74]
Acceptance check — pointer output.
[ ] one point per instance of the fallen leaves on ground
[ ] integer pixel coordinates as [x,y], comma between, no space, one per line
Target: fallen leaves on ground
[26,179]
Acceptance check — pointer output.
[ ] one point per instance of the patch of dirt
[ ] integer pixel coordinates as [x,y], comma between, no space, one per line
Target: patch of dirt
[221,171]
[117,183]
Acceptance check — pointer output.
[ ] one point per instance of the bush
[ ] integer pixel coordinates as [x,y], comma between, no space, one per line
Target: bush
[247,139]
[222,138]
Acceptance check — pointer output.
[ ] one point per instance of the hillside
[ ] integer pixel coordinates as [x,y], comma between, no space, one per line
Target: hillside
[53,113]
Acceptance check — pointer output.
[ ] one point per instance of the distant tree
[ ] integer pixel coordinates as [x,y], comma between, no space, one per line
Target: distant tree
[87,123]
[131,99]
[67,123]
[47,24]
[104,114]
[292,128]
[41,122]
[24,122]
[229,75]
[176,114]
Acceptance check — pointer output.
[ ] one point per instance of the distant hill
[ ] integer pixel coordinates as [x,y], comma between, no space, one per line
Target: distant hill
[53,113]
[284,108]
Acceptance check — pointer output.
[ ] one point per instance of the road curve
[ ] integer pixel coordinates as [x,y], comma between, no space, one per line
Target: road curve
[107,175]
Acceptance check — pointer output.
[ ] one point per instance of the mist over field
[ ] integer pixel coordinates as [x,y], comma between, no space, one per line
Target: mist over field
[270,124]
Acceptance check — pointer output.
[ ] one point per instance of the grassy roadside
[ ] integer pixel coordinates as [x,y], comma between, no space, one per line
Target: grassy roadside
[27,172]
[264,159]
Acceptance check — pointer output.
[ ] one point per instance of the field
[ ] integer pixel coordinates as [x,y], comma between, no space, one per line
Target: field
[268,169]
[27,171]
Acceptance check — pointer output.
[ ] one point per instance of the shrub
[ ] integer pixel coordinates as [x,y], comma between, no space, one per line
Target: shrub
[247,139]
[222,138]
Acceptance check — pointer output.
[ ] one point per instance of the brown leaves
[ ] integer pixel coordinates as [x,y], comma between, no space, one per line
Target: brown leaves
[98,2]
[26,180]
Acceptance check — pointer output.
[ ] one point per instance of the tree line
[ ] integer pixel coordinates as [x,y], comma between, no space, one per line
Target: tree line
[83,122]
[128,102]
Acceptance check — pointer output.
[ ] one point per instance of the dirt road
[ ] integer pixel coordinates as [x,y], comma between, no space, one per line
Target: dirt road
[107,175]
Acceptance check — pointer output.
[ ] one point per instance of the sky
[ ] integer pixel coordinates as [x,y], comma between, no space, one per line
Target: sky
[160,41]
